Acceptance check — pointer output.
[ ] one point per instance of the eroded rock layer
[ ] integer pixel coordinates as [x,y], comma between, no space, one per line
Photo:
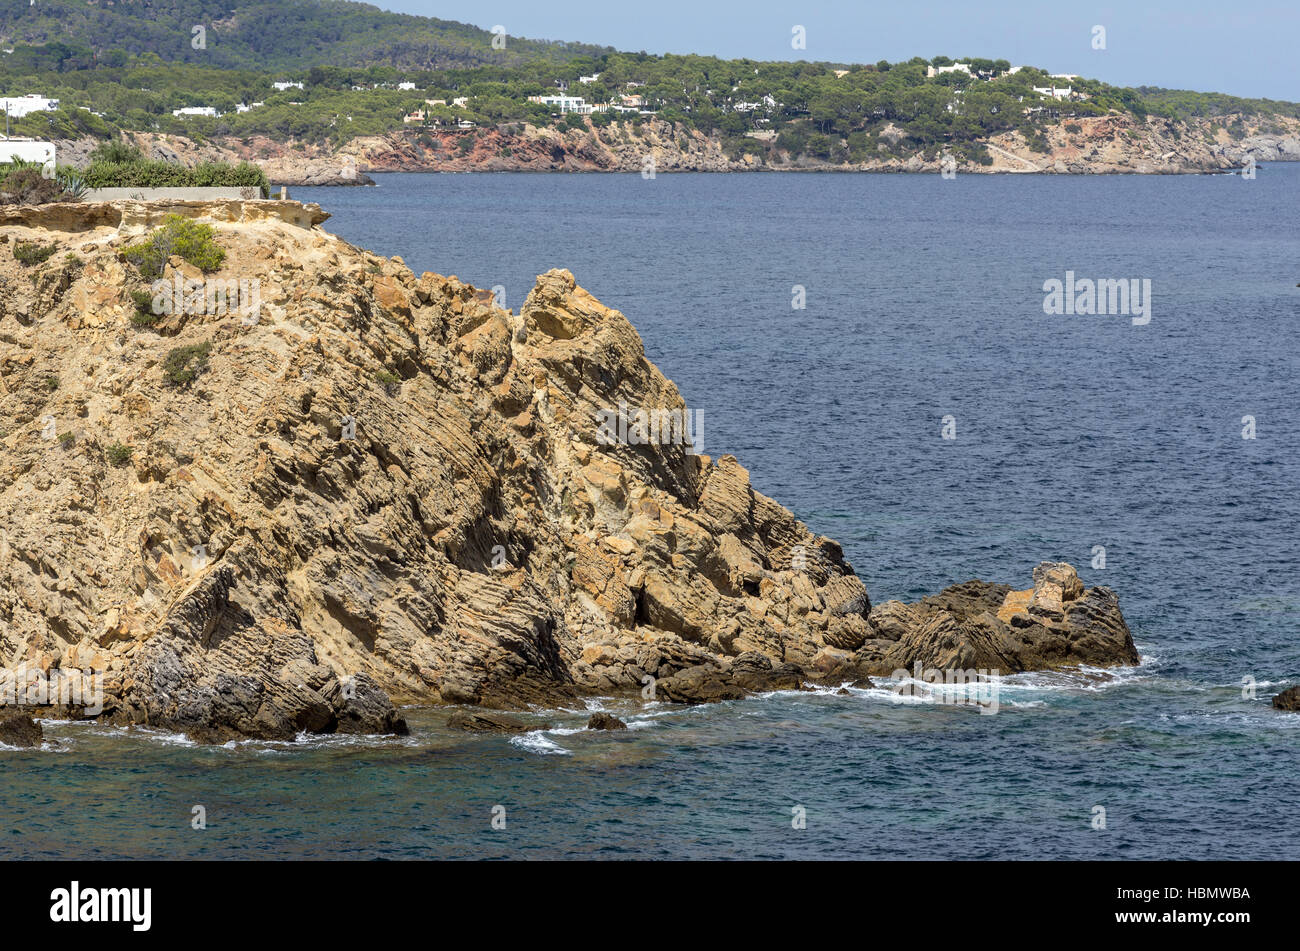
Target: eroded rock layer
[383,488]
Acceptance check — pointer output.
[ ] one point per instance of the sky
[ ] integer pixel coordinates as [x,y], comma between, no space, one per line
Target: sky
[1245,48]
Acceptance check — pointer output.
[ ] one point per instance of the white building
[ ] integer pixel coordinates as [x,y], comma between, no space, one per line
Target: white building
[281,87]
[586,80]
[27,150]
[406,86]
[932,71]
[19,106]
[1056,92]
[208,111]
[564,104]
[461,102]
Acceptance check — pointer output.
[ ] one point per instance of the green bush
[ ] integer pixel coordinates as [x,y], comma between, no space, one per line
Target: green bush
[183,364]
[29,253]
[193,241]
[143,316]
[117,152]
[142,174]
[25,185]
[118,454]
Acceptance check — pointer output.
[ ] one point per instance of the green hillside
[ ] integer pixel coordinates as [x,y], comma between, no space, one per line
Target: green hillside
[280,34]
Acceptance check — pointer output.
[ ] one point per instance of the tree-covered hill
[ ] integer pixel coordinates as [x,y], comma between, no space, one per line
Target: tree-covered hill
[358,71]
[268,34]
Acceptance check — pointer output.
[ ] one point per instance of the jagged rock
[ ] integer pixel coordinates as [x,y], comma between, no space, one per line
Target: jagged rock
[702,684]
[605,721]
[482,722]
[360,706]
[389,481]
[1288,699]
[18,729]
[1057,623]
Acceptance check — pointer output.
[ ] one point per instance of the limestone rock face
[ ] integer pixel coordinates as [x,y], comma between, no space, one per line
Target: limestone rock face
[384,488]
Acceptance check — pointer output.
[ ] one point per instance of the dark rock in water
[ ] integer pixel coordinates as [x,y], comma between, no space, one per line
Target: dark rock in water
[755,671]
[1288,699]
[604,721]
[700,684]
[479,721]
[1057,623]
[360,706]
[206,735]
[18,729]
[730,679]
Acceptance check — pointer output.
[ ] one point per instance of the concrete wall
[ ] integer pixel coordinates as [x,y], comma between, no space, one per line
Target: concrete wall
[168,194]
[26,150]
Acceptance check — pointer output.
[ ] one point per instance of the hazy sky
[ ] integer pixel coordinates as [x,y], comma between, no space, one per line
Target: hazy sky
[1246,47]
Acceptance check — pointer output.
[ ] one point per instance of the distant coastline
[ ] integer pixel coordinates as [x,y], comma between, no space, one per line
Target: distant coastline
[1101,145]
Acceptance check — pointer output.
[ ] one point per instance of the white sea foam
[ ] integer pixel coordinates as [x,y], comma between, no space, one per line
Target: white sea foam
[536,742]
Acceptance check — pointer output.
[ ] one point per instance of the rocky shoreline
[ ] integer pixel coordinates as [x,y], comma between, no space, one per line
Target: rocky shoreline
[386,490]
[1111,144]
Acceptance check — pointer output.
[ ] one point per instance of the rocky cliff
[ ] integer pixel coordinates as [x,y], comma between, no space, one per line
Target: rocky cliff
[1094,145]
[378,487]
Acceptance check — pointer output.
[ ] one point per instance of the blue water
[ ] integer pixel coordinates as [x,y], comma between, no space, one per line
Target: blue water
[924,299]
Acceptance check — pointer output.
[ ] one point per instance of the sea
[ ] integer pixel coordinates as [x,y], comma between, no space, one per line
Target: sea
[882,353]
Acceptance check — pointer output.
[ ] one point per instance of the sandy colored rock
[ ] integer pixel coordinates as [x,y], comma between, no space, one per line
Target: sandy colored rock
[296,542]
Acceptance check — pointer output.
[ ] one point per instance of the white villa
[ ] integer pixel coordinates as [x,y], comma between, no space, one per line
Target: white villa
[932,71]
[281,87]
[1056,92]
[208,111]
[19,106]
[566,104]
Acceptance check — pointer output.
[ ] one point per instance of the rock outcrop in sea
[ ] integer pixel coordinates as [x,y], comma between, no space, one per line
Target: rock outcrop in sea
[381,489]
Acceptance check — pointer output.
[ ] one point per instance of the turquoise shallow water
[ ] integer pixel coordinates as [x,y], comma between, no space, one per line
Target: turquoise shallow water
[924,300]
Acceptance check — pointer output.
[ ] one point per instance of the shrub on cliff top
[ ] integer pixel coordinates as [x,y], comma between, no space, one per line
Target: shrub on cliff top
[118,454]
[25,185]
[143,315]
[136,173]
[182,365]
[29,253]
[193,241]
